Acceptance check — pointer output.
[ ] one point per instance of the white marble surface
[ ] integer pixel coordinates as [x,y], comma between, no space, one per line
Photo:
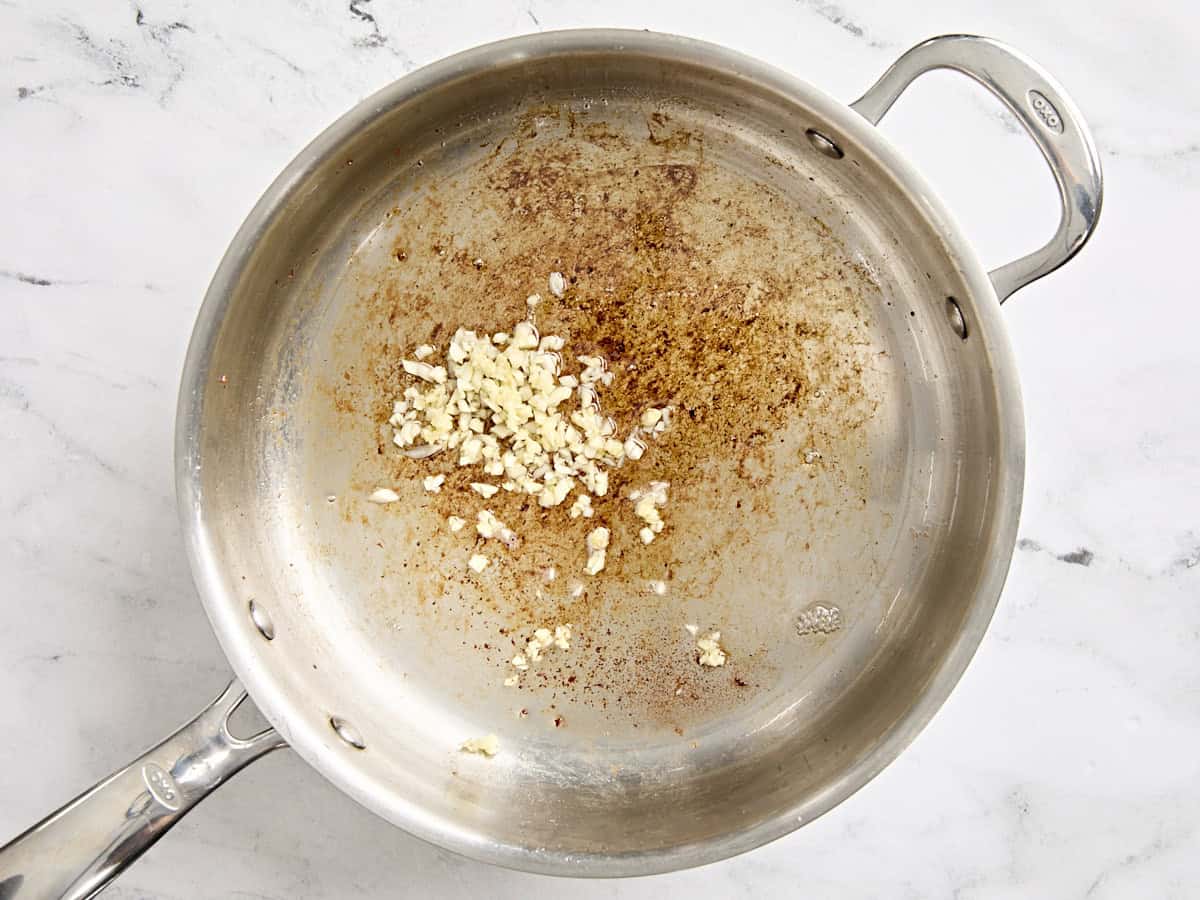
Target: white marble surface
[134,138]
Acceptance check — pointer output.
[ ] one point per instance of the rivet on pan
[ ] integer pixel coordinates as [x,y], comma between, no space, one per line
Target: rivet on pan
[824,144]
[262,621]
[957,321]
[347,732]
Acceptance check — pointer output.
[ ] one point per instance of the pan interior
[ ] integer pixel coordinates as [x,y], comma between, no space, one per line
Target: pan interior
[834,444]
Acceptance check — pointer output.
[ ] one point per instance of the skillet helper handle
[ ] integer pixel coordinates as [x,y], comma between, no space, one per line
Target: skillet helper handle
[76,851]
[1045,111]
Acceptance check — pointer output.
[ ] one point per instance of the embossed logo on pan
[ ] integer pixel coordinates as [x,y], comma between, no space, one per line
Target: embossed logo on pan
[1046,112]
[162,786]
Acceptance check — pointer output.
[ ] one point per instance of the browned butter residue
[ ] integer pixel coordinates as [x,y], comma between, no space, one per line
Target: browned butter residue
[706,291]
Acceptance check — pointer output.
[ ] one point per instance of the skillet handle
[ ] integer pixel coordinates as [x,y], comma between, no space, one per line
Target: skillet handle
[76,851]
[1047,113]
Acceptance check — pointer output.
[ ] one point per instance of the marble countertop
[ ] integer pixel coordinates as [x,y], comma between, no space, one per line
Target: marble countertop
[134,137]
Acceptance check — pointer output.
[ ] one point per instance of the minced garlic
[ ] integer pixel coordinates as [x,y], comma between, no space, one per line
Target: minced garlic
[425,371]
[710,651]
[503,403]
[582,507]
[541,640]
[646,504]
[597,547]
[488,745]
[487,525]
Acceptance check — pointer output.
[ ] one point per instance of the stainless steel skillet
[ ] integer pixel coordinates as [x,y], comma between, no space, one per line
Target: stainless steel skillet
[851,437]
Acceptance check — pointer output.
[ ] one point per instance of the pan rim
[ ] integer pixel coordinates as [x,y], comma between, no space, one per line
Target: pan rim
[316,746]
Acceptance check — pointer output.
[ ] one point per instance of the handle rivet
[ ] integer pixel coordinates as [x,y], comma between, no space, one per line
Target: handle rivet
[261,621]
[823,144]
[347,732]
[958,322]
